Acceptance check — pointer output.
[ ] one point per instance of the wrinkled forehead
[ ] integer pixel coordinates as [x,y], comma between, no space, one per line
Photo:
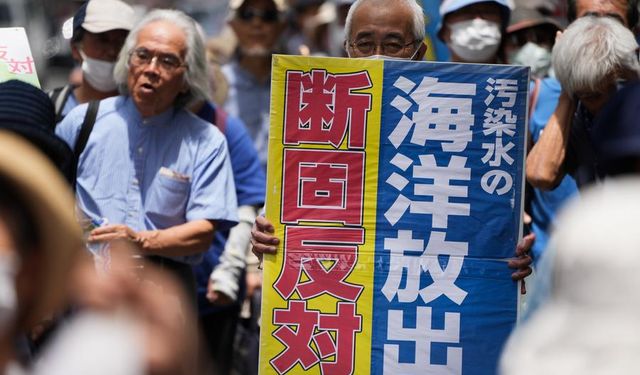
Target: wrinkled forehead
[162,36]
[382,22]
[610,8]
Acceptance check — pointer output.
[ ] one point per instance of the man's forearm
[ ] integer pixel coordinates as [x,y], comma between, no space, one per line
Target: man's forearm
[545,162]
[190,238]
[226,275]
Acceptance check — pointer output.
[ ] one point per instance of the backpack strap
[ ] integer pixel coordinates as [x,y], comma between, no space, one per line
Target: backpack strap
[59,97]
[85,131]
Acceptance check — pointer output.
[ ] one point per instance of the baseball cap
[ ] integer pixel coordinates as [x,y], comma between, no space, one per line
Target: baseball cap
[99,16]
[523,18]
[450,6]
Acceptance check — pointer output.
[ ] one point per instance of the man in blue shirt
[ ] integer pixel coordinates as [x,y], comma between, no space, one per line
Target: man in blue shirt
[160,176]
[257,25]
[221,275]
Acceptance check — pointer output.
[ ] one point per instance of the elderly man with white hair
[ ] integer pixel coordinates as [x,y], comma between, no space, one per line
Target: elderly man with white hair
[591,59]
[152,173]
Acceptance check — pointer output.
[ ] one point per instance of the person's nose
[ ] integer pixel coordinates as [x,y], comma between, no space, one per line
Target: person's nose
[111,52]
[152,67]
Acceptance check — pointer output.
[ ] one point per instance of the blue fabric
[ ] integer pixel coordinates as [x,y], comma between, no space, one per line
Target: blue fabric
[545,204]
[249,100]
[250,189]
[70,104]
[152,173]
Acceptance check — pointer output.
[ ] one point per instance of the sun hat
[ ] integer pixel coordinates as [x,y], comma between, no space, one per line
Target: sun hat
[28,111]
[589,323]
[99,16]
[51,202]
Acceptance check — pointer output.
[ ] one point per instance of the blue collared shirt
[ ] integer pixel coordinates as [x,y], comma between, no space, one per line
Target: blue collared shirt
[152,173]
[250,189]
[249,100]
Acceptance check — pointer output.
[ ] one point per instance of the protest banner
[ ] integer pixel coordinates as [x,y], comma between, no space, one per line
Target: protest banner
[396,189]
[16,60]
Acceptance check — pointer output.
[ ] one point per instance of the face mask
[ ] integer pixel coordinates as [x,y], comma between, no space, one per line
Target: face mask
[534,56]
[475,40]
[98,73]
[8,297]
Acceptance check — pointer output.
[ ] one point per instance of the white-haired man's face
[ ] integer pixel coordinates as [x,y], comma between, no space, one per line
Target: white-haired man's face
[383,30]
[157,67]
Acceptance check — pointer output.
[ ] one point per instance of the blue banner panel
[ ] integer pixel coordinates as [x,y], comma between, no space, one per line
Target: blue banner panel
[449,205]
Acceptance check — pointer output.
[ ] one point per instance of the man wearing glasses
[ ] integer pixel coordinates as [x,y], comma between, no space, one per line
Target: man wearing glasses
[152,173]
[258,25]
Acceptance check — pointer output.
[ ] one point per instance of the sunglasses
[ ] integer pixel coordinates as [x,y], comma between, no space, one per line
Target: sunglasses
[268,16]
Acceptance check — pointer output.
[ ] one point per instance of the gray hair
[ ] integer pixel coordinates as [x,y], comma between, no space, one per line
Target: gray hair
[416,10]
[591,50]
[197,71]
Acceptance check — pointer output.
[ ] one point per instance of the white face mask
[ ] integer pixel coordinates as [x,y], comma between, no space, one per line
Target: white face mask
[534,56]
[98,73]
[475,40]
[8,296]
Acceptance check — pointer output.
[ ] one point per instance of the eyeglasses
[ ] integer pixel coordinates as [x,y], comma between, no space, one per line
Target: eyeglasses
[268,16]
[166,61]
[388,48]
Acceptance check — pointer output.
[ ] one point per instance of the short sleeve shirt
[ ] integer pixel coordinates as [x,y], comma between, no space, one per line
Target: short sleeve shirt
[249,100]
[152,173]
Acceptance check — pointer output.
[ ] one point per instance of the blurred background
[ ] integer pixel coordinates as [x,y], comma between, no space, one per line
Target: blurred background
[313,19]
[44,20]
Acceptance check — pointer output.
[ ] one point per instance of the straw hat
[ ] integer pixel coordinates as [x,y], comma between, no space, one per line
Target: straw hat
[51,201]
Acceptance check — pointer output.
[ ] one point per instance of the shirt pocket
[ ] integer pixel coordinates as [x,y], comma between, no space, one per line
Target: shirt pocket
[167,201]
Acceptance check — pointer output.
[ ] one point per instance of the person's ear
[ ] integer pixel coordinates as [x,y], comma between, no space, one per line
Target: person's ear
[234,24]
[75,52]
[422,50]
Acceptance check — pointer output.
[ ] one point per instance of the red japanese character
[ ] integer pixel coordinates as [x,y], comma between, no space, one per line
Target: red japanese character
[320,107]
[297,342]
[21,67]
[305,248]
[323,186]
[345,323]
[3,52]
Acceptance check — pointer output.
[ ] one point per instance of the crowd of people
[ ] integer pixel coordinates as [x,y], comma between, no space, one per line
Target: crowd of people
[161,135]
